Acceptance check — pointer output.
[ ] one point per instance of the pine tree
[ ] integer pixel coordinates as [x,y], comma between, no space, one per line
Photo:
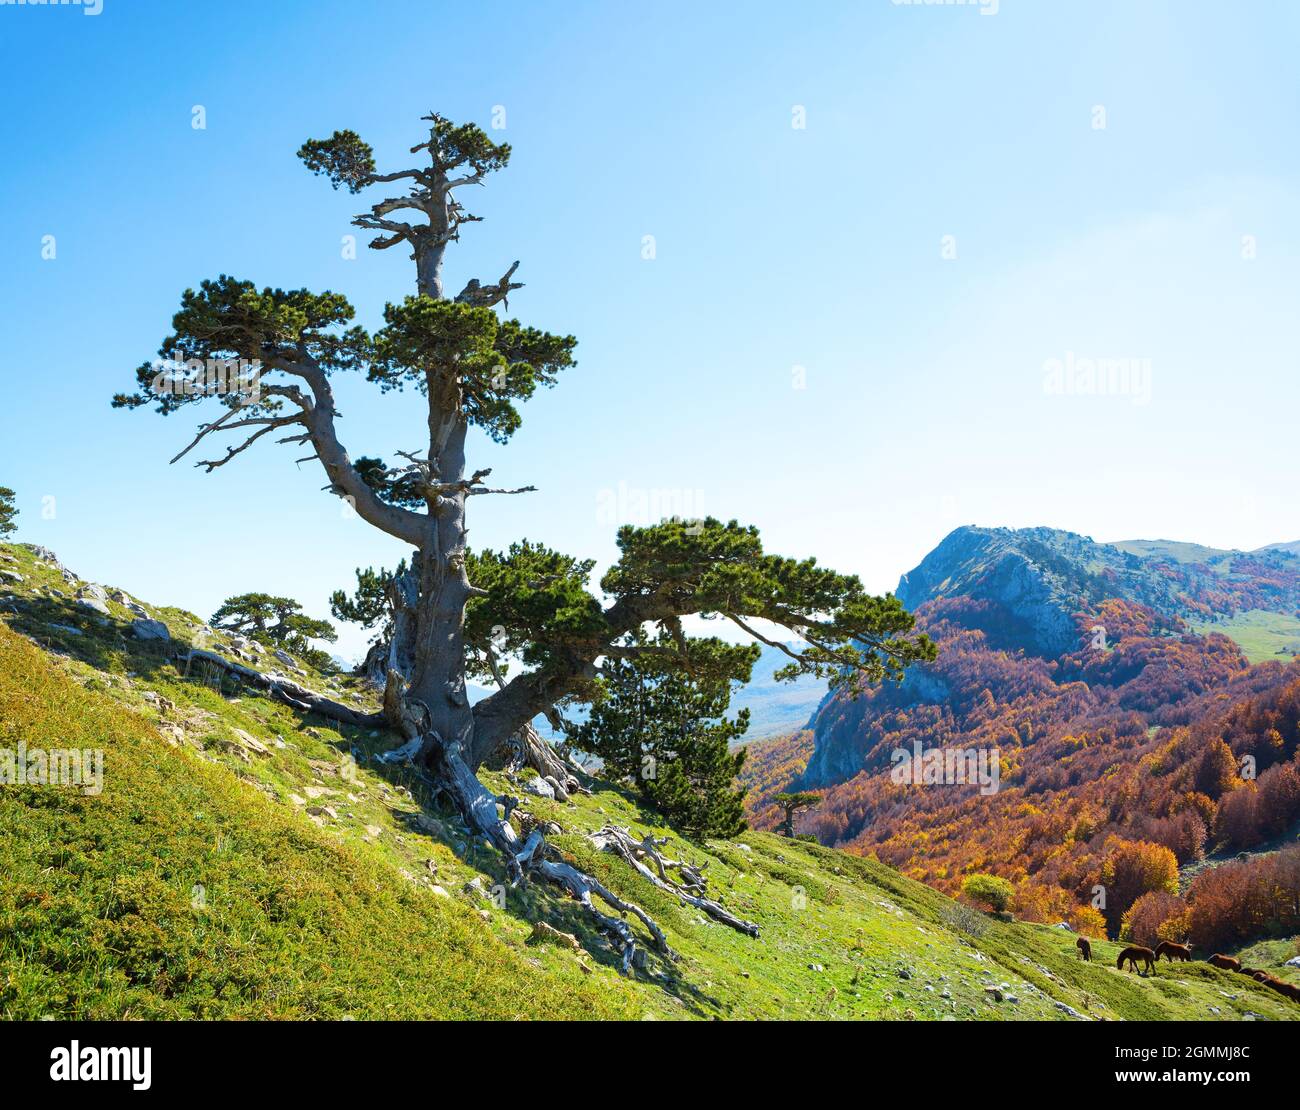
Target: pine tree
[277,621]
[463,366]
[792,804]
[659,724]
[7,511]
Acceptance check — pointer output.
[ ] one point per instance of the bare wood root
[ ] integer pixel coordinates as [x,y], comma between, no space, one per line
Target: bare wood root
[535,752]
[532,857]
[287,691]
[478,806]
[691,891]
[583,886]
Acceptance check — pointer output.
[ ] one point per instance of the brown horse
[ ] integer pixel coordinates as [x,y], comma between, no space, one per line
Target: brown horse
[1225,962]
[1267,979]
[1133,954]
[1174,951]
[1085,949]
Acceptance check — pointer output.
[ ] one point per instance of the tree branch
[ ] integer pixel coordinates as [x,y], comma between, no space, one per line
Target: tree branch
[485,296]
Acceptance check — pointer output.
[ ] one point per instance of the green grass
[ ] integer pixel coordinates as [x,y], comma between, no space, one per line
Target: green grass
[98,916]
[1179,552]
[362,909]
[1262,635]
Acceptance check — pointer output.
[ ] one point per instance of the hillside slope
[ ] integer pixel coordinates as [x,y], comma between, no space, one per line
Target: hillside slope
[244,862]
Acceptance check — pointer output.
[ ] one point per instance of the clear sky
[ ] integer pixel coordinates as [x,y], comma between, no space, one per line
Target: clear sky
[972,196]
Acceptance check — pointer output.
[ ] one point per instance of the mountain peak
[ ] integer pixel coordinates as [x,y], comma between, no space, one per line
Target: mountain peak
[1042,577]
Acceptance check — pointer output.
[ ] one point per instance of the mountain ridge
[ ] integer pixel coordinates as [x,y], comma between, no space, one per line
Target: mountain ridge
[1044,576]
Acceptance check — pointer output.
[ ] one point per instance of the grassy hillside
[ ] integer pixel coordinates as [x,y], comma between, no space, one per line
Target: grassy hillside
[244,862]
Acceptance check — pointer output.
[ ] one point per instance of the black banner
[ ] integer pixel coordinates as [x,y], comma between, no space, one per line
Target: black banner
[142,1059]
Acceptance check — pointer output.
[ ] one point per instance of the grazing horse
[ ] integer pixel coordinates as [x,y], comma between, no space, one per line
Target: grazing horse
[1267,979]
[1275,984]
[1133,954]
[1225,962]
[1174,951]
[1085,949]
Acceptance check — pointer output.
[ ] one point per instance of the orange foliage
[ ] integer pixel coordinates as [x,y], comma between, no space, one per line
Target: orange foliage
[1140,744]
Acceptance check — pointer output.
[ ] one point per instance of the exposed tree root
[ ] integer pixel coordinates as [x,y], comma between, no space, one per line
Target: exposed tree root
[287,691]
[531,750]
[691,891]
[478,806]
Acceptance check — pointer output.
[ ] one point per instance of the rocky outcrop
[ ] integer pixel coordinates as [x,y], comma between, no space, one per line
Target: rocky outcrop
[144,629]
[999,565]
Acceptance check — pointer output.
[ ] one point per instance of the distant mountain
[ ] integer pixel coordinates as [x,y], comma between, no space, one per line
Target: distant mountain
[1292,548]
[1040,578]
[777,708]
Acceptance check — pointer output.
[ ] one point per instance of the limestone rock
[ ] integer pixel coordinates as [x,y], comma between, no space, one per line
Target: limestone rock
[144,629]
[539,786]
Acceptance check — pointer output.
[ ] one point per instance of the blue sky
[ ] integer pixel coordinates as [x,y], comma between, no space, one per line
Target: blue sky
[950,221]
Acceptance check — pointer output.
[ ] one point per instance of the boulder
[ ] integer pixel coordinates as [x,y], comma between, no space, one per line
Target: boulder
[47,556]
[544,932]
[94,605]
[539,786]
[427,824]
[144,629]
[251,742]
